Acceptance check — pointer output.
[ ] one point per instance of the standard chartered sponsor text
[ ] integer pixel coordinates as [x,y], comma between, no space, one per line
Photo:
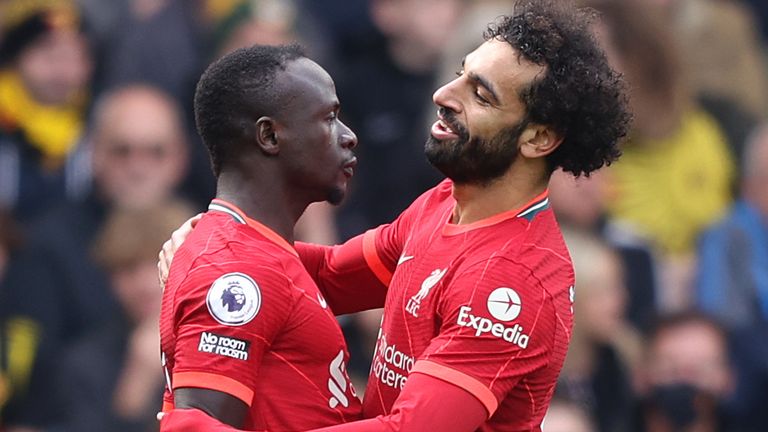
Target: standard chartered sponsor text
[390,365]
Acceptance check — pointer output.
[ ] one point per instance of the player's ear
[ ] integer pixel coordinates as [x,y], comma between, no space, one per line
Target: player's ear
[538,141]
[266,136]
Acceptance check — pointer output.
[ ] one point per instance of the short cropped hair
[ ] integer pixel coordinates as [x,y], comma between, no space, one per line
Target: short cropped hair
[579,96]
[234,92]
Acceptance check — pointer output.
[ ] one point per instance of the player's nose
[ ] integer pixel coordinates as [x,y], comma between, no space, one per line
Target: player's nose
[446,96]
[347,138]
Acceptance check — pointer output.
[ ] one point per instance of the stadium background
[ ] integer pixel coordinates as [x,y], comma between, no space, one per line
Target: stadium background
[99,162]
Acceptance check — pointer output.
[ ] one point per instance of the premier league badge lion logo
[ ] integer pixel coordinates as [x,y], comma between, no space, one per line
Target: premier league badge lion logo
[234,299]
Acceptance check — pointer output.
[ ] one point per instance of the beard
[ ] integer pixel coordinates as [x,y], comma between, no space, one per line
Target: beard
[476,160]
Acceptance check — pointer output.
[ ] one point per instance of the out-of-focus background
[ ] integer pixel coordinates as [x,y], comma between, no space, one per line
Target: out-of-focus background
[99,162]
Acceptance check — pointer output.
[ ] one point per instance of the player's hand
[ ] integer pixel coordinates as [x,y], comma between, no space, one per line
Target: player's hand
[171,246]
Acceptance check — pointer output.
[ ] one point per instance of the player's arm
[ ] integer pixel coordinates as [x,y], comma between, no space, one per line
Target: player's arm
[353,276]
[425,404]
[215,404]
[224,326]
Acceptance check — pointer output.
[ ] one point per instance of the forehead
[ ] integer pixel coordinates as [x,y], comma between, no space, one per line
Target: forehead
[689,343]
[499,63]
[139,117]
[306,84]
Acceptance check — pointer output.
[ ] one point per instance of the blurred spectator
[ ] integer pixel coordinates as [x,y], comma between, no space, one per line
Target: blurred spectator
[138,160]
[45,68]
[760,9]
[161,43]
[580,203]
[732,280]
[10,240]
[112,375]
[675,175]
[724,60]
[686,376]
[604,348]
[565,415]
[384,89]
[722,52]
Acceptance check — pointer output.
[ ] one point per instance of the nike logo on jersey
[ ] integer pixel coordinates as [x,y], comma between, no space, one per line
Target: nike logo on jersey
[321,300]
[404,258]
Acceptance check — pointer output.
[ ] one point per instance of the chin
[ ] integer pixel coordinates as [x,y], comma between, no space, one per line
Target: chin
[336,196]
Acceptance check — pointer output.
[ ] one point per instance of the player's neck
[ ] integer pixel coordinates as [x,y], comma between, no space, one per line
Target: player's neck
[513,190]
[261,201]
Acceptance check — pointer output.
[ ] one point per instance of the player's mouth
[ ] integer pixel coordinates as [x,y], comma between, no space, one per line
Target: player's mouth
[442,130]
[349,167]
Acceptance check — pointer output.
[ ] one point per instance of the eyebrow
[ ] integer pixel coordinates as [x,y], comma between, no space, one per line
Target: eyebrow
[481,81]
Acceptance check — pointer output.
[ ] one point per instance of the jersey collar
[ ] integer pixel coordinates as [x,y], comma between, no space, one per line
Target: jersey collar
[527,212]
[239,216]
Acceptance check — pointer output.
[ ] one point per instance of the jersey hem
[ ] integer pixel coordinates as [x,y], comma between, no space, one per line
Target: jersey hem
[216,382]
[459,379]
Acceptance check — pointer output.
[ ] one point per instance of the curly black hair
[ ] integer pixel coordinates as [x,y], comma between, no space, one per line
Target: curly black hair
[233,92]
[580,96]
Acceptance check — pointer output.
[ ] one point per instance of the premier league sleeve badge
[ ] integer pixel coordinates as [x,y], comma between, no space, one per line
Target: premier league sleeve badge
[234,299]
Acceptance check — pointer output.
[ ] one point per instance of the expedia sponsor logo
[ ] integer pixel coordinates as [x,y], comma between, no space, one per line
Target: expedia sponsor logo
[390,365]
[224,346]
[513,334]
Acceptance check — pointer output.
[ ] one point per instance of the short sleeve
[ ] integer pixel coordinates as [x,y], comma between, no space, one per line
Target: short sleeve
[497,327]
[226,325]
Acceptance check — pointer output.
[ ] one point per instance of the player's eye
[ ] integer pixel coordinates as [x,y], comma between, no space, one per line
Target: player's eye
[481,99]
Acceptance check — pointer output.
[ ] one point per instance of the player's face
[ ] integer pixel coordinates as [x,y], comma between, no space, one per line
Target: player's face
[480,115]
[317,146]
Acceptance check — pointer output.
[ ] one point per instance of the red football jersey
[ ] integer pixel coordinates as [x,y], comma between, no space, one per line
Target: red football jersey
[485,306]
[241,315]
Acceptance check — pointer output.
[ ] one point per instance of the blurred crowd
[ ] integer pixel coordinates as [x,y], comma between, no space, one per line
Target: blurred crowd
[99,162]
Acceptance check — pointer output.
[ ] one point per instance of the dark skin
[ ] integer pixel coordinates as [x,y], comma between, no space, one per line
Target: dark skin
[299,155]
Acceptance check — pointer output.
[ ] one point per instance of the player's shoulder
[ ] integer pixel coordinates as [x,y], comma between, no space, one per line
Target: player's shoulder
[539,260]
[220,246]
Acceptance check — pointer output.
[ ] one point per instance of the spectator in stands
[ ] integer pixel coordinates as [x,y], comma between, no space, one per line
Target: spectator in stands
[675,175]
[138,160]
[161,43]
[605,348]
[10,240]
[732,280]
[686,376]
[112,375]
[45,68]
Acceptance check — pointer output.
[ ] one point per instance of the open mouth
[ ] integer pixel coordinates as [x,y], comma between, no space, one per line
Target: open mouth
[441,130]
[349,167]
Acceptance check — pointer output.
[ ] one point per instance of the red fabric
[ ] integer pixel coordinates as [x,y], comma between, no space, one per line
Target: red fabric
[344,276]
[416,410]
[489,301]
[287,362]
